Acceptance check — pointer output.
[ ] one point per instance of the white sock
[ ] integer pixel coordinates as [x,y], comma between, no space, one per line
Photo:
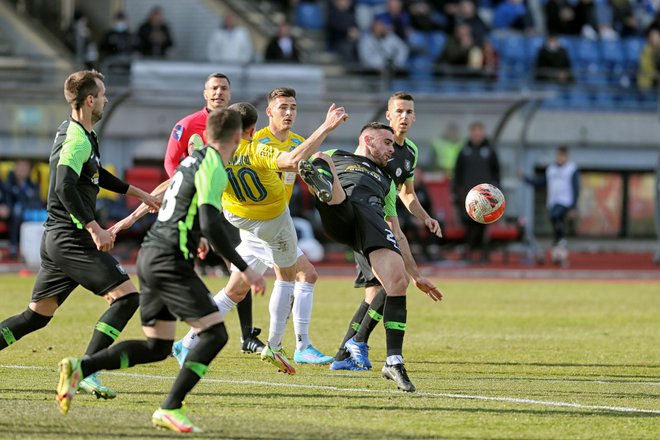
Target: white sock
[303,299]
[224,303]
[279,308]
[394,359]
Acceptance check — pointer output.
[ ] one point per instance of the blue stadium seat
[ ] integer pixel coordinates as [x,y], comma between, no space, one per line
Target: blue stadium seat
[632,48]
[534,44]
[418,43]
[570,43]
[437,42]
[513,49]
[587,51]
[421,66]
[605,100]
[612,51]
[309,16]
[579,98]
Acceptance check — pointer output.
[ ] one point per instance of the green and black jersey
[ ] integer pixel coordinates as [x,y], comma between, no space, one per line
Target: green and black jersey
[200,179]
[77,150]
[401,165]
[365,182]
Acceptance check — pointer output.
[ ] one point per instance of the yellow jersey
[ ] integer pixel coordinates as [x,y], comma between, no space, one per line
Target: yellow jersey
[255,189]
[265,136]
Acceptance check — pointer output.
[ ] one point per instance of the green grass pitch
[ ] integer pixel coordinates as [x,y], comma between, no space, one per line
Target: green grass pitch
[495,360]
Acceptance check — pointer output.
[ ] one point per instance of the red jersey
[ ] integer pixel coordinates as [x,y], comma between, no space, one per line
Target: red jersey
[177,146]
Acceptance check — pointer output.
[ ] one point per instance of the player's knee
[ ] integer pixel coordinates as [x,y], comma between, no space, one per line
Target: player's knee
[309,275]
[160,348]
[216,335]
[129,302]
[397,286]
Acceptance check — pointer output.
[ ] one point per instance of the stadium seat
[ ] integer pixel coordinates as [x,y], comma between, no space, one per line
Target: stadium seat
[587,51]
[632,49]
[437,42]
[309,15]
[612,52]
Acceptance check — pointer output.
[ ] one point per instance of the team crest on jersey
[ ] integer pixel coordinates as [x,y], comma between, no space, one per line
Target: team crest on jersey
[177,132]
[398,172]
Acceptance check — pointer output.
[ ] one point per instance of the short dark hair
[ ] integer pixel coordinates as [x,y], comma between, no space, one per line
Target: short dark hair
[400,95]
[376,126]
[217,75]
[248,112]
[79,85]
[286,92]
[222,124]
[562,149]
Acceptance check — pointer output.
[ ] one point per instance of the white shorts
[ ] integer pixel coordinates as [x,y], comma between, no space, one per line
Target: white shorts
[266,242]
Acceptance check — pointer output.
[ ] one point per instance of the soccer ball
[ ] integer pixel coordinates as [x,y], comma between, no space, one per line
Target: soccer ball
[485,203]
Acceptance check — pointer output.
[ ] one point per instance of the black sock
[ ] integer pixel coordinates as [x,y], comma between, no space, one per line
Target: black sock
[353,327]
[126,354]
[112,322]
[244,309]
[394,319]
[197,363]
[372,318]
[14,328]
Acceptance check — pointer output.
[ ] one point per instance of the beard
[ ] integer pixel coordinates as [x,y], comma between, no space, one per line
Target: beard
[97,115]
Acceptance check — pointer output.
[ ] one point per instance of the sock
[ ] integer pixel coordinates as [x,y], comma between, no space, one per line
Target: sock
[394,319]
[224,303]
[372,318]
[112,322]
[279,308]
[394,359]
[244,309]
[197,363]
[352,329]
[126,354]
[303,299]
[14,328]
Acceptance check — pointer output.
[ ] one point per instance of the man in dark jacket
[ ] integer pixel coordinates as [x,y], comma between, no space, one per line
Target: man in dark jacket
[476,163]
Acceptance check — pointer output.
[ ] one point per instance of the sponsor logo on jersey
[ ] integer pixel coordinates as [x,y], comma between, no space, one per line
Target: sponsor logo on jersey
[407,165]
[177,132]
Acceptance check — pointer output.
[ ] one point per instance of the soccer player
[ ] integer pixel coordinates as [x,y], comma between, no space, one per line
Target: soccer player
[257,203]
[217,94]
[170,287]
[74,246]
[362,215]
[353,353]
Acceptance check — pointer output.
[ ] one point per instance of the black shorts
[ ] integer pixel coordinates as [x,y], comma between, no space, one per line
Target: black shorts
[357,225]
[169,287]
[69,259]
[365,275]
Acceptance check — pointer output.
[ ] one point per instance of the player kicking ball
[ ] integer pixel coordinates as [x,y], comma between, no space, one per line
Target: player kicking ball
[171,289]
[356,201]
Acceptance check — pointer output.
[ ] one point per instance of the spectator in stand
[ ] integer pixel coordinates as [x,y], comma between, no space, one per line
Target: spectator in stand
[80,40]
[154,35]
[553,63]
[446,147]
[563,187]
[341,29]
[461,55]
[466,13]
[586,22]
[230,43]
[476,163]
[560,18]
[396,18]
[513,15]
[22,196]
[624,20]
[117,45]
[381,51]
[282,47]
[648,76]
[5,212]
[424,18]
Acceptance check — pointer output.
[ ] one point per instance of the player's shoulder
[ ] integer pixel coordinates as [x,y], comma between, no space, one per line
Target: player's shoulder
[263,136]
[296,138]
[408,142]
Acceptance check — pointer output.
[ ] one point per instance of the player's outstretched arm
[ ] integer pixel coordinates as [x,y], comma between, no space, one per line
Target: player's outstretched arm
[422,283]
[409,198]
[288,161]
[141,210]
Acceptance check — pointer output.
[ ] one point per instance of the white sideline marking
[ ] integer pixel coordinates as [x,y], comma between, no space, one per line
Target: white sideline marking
[370,391]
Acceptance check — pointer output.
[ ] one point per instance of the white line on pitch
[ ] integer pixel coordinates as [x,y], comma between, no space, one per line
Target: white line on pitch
[370,391]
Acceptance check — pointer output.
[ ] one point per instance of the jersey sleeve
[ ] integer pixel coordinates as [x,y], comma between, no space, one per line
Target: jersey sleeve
[264,156]
[414,165]
[390,201]
[76,150]
[211,180]
[175,149]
